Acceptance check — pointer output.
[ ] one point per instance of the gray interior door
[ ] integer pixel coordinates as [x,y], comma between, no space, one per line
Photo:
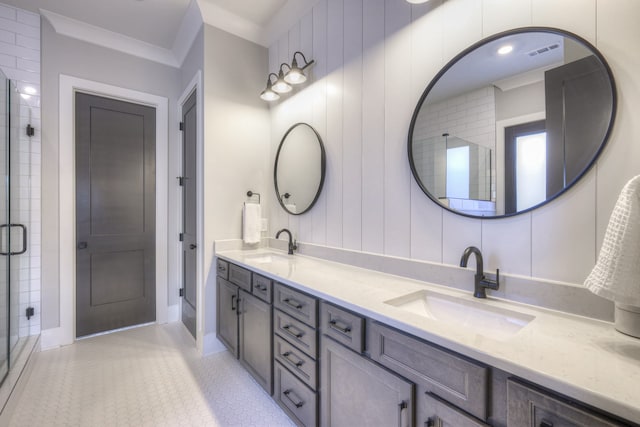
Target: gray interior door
[115,214]
[189,217]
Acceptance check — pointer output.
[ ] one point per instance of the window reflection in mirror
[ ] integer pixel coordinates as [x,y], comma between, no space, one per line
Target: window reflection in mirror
[550,78]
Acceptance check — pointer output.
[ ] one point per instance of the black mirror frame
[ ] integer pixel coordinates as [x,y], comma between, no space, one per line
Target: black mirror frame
[323,163]
[470,49]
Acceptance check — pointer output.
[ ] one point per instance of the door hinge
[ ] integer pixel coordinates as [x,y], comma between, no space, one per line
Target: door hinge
[181,292]
[181,125]
[30,312]
[181,237]
[30,130]
[181,180]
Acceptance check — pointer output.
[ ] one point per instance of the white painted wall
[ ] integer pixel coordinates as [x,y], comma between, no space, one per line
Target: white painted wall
[373,60]
[236,147]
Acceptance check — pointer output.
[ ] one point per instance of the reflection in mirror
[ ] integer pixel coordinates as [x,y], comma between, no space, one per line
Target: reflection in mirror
[512,122]
[299,169]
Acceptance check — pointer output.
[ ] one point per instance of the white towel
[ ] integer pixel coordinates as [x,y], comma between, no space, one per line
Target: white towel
[616,275]
[251,223]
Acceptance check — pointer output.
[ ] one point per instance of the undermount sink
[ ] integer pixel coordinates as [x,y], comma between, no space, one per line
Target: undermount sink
[483,319]
[266,258]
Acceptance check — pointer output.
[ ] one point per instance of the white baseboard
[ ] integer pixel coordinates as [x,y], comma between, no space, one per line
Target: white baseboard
[211,345]
[173,313]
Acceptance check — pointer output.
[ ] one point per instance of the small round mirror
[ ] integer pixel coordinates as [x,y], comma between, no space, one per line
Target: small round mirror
[512,122]
[299,169]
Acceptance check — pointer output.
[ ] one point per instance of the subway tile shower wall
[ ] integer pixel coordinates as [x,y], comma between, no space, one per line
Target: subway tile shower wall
[20,62]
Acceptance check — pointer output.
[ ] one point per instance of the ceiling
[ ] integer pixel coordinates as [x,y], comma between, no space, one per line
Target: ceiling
[156,22]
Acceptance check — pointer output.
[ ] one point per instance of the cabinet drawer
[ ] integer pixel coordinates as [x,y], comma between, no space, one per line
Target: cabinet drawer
[222,268]
[240,276]
[300,364]
[297,400]
[435,412]
[447,375]
[527,406]
[296,332]
[345,327]
[262,287]
[301,306]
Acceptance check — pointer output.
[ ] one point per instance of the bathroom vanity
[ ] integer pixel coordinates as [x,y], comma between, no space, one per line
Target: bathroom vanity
[350,346]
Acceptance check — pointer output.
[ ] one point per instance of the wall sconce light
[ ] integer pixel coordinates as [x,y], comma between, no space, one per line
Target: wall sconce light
[281,86]
[269,94]
[296,74]
[293,76]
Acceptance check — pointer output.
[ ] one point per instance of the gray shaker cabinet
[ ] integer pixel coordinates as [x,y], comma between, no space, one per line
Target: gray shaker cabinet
[255,338]
[357,392]
[227,315]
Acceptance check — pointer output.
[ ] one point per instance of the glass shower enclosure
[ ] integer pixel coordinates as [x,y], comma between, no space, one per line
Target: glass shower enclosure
[14,207]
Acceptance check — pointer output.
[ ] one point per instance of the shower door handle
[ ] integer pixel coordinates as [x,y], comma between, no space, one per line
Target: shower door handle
[24,238]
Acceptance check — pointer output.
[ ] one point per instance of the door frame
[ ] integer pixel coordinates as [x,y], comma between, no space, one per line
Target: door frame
[69,85]
[194,85]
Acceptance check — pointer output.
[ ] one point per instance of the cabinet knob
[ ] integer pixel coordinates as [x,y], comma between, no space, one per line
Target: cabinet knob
[545,423]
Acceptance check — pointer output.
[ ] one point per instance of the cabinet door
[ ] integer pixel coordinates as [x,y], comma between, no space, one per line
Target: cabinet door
[227,314]
[255,339]
[357,392]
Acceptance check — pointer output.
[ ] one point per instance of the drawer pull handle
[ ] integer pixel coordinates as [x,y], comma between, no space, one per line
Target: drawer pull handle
[289,329]
[293,303]
[261,288]
[297,364]
[333,324]
[401,407]
[299,402]
[545,423]
[221,268]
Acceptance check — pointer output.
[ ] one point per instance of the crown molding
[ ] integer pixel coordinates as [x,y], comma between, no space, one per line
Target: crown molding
[188,31]
[99,36]
[230,22]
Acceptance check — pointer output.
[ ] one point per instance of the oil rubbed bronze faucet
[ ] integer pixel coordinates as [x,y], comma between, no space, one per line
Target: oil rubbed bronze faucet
[292,243]
[480,283]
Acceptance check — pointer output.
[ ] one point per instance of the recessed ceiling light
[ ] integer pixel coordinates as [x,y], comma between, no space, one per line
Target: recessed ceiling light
[29,90]
[505,49]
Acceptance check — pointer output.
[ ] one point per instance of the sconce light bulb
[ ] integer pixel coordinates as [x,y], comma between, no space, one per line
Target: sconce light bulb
[280,86]
[269,95]
[295,75]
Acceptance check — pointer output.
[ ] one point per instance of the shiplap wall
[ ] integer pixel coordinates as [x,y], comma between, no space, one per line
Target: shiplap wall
[373,60]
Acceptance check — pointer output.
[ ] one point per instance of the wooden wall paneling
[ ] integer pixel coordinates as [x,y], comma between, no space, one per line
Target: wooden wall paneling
[352,127]
[426,61]
[319,103]
[373,126]
[397,231]
[335,94]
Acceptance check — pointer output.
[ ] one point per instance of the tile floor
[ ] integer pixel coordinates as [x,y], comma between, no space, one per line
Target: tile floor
[148,376]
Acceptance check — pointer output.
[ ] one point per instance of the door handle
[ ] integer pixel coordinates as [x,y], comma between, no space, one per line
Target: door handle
[192,246]
[82,245]
[24,239]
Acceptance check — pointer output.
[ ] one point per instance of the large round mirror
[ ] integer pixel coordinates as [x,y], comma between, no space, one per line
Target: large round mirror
[512,122]
[299,169]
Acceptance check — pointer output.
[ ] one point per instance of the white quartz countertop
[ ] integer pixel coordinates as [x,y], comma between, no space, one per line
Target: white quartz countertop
[580,357]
